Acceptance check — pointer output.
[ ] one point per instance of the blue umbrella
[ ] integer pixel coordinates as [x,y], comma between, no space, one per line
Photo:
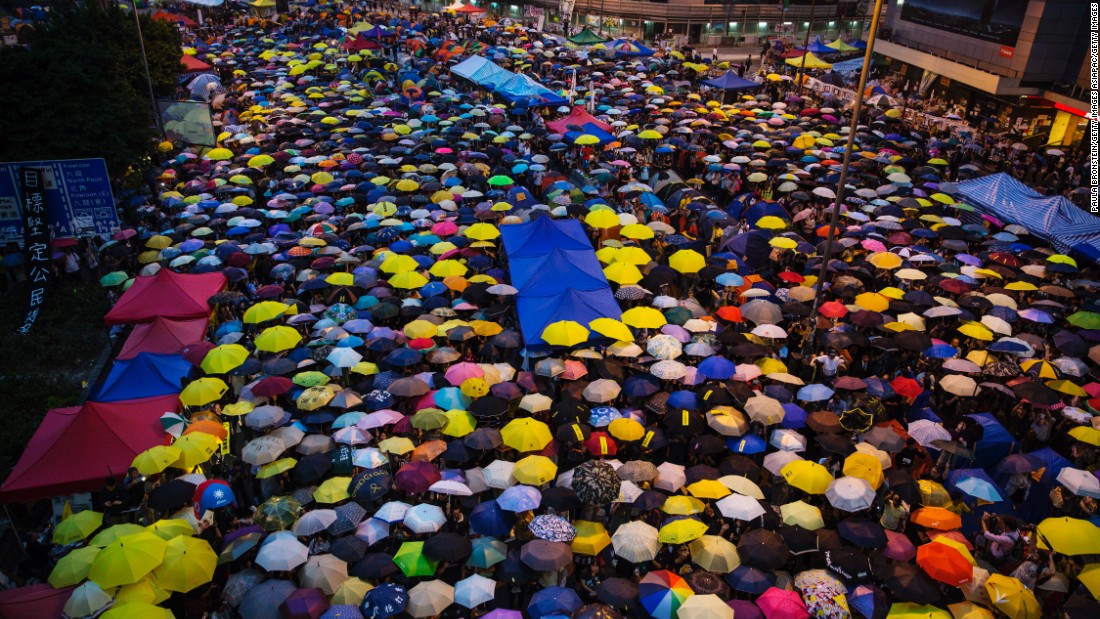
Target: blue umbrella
[641,385]
[941,351]
[683,399]
[520,498]
[879,388]
[451,398]
[488,518]
[750,579]
[814,393]
[553,600]
[386,600]
[403,357]
[717,367]
[602,416]
[748,444]
[794,416]
[731,280]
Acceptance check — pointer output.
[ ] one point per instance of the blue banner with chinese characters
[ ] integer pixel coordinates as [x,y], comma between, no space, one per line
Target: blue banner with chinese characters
[36,241]
[78,196]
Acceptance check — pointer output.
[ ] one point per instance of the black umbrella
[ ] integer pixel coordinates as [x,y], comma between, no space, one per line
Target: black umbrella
[862,532]
[703,582]
[799,540]
[545,556]
[448,547]
[596,482]
[483,439]
[561,499]
[512,569]
[1037,393]
[910,584]
[348,548]
[171,496]
[374,566]
[311,469]
[848,563]
[750,579]
[763,549]
[618,592]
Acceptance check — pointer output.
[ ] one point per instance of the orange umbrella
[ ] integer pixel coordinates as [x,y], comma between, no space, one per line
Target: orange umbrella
[945,563]
[936,518]
[206,426]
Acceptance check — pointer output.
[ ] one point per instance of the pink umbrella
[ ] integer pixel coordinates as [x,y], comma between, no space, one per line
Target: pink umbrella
[872,245]
[445,228]
[573,370]
[460,372]
[777,603]
[898,547]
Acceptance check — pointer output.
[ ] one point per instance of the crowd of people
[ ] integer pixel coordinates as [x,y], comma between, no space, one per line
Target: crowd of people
[913,436]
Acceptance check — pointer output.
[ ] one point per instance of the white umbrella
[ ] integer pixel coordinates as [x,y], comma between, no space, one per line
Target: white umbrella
[499,474]
[450,487]
[925,431]
[770,331]
[636,542]
[474,591]
[263,450]
[764,409]
[670,477]
[428,599]
[776,460]
[372,530]
[740,507]
[325,572]
[314,522]
[282,553]
[425,518]
[344,357]
[741,485]
[850,494]
[1079,482]
[393,511]
[787,440]
[960,385]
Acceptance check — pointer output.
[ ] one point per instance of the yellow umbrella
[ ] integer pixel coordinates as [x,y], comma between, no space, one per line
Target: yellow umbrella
[808,476]
[276,468]
[885,260]
[399,263]
[535,470]
[342,278]
[127,560]
[137,609]
[976,330]
[219,154]
[169,528]
[626,429]
[398,445]
[224,358]
[644,318]
[144,591]
[612,328]
[864,466]
[264,311]
[407,184]
[73,567]
[351,592]
[708,489]
[418,329]
[195,449]
[237,409]
[188,563]
[681,531]
[1090,577]
[1066,387]
[586,139]
[459,423]
[203,391]
[602,219]
[332,490]
[1086,434]
[1012,598]
[682,505]
[591,538]
[802,514]
[715,554]
[1069,536]
[482,232]
[873,301]
[155,460]
[408,280]
[632,255]
[933,493]
[565,333]
[687,261]
[650,134]
[77,527]
[770,222]
[448,268]
[783,242]
[910,610]
[526,434]
[107,536]
[638,232]
[622,273]
[260,161]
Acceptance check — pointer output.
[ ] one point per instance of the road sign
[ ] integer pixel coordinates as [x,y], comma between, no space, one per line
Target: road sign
[79,200]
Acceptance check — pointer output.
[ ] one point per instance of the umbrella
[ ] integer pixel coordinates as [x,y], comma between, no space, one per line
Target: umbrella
[662,593]
[474,591]
[636,542]
[428,599]
[127,559]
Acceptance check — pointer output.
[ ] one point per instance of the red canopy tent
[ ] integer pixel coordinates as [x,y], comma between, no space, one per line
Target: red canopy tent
[168,295]
[579,117]
[163,336]
[469,8]
[76,448]
[360,43]
[39,600]
[175,18]
[194,65]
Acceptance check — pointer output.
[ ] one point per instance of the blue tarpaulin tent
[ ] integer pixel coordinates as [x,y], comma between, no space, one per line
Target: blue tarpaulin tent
[145,376]
[557,274]
[1054,219]
[731,81]
[590,129]
[626,47]
[514,87]
[817,47]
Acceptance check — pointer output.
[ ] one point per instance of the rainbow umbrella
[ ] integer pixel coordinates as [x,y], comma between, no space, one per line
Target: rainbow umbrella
[662,593]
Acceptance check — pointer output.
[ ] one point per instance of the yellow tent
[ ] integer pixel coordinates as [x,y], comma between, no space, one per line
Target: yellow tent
[812,62]
[840,46]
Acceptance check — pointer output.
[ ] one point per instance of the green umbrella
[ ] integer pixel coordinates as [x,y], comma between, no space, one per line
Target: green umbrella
[500,181]
[678,315]
[410,558]
[278,512]
[310,379]
[113,279]
[1084,320]
[486,552]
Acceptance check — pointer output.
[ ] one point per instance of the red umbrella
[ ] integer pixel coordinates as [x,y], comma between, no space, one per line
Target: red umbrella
[906,387]
[272,386]
[833,309]
[416,477]
[601,444]
[730,313]
[955,286]
[791,276]
[945,564]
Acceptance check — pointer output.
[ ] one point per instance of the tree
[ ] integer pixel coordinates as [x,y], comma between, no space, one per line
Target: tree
[80,90]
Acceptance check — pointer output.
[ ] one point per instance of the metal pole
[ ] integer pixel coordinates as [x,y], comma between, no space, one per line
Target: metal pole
[601,16]
[805,48]
[847,158]
[145,62]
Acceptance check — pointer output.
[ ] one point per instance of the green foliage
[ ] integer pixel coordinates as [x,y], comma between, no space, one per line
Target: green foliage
[80,90]
[47,368]
[162,48]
